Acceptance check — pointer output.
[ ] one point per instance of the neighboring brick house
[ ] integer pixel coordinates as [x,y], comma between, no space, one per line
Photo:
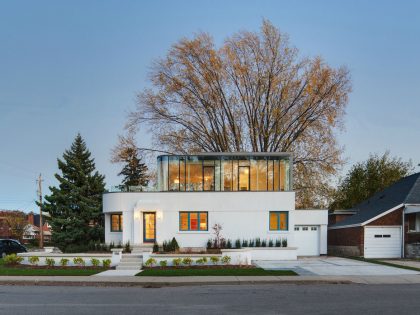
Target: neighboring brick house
[32,229]
[386,225]
[9,227]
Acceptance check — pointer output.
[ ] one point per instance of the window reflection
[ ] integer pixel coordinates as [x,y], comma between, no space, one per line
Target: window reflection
[223,173]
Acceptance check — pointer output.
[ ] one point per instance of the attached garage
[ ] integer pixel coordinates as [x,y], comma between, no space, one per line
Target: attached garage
[382,242]
[307,240]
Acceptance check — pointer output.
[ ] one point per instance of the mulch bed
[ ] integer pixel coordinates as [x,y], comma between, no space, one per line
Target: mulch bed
[55,267]
[203,267]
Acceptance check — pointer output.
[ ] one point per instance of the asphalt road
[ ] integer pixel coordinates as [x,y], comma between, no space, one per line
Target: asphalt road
[239,299]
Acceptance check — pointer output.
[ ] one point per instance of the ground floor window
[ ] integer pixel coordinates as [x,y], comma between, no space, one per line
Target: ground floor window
[193,221]
[279,220]
[116,222]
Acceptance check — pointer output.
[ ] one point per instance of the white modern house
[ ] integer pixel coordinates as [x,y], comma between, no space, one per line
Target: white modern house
[249,194]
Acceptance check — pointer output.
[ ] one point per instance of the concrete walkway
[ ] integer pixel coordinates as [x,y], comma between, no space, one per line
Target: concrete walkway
[210,280]
[334,266]
[117,273]
[406,263]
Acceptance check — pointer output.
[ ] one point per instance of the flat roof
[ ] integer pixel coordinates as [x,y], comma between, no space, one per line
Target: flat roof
[280,154]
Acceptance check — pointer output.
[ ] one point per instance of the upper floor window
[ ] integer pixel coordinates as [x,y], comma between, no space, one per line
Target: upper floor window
[279,221]
[116,222]
[193,221]
[225,173]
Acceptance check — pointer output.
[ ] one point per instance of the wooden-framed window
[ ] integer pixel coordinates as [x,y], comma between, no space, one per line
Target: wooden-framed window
[193,221]
[116,222]
[279,221]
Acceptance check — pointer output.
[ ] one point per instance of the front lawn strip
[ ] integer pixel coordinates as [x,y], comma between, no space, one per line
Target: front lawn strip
[24,270]
[384,263]
[169,272]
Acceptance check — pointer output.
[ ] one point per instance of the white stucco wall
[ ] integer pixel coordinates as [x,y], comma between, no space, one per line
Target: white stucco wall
[242,215]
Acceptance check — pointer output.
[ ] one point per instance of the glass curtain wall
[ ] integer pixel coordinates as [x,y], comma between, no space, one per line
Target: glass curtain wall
[224,173]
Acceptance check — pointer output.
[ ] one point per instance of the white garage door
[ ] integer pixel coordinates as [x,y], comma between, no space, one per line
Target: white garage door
[382,242]
[307,240]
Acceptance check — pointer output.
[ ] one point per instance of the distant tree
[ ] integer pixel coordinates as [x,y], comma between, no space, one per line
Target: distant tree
[369,177]
[134,171]
[253,93]
[17,223]
[75,206]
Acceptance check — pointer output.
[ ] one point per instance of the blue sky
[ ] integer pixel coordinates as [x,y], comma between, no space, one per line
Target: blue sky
[76,66]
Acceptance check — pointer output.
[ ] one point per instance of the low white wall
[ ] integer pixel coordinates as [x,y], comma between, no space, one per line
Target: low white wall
[57,257]
[273,253]
[243,256]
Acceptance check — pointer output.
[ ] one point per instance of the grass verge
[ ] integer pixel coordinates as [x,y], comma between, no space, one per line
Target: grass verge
[384,263]
[214,272]
[27,271]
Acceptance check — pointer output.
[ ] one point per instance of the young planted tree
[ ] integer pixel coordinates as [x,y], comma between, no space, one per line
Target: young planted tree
[134,171]
[251,94]
[17,224]
[75,206]
[369,177]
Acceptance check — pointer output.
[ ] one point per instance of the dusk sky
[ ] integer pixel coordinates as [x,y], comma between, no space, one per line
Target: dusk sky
[76,66]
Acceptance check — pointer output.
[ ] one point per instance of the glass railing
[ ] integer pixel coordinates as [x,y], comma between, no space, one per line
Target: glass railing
[123,188]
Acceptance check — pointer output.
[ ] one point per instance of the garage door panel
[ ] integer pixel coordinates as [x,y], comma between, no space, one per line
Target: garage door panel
[382,242]
[307,239]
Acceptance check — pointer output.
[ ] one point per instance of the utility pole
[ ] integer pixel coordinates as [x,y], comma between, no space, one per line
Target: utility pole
[41,231]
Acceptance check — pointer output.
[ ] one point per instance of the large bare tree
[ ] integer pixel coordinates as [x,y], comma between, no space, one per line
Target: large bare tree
[254,93]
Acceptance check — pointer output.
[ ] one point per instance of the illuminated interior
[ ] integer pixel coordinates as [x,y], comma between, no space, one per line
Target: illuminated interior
[225,172]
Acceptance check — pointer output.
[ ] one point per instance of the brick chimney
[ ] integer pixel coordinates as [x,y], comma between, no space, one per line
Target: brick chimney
[31,218]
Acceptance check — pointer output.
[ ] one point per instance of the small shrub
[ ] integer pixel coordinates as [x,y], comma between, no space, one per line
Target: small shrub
[187,261]
[214,260]
[106,263]
[50,262]
[33,260]
[64,262]
[155,247]
[150,262]
[284,242]
[278,243]
[270,243]
[251,243]
[226,260]
[176,261]
[204,260]
[229,244]
[163,263]
[264,243]
[79,261]
[127,247]
[199,261]
[238,243]
[111,245]
[12,259]
[209,244]
[174,245]
[257,242]
[119,245]
[95,262]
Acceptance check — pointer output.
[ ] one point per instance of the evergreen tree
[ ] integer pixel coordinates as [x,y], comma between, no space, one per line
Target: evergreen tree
[134,171]
[75,206]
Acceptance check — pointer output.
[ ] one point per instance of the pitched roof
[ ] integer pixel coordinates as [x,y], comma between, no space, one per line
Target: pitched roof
[405,191]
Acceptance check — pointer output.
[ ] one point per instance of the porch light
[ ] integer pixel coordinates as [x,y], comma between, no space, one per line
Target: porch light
[159,215]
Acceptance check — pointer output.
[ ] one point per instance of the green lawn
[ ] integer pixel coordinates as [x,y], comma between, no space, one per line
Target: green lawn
[214,272]
[21,271]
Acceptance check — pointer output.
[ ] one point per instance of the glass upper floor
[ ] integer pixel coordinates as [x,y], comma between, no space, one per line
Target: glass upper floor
[225,172]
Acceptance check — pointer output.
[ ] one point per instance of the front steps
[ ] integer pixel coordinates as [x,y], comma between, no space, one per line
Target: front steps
[134,261]
[130,262]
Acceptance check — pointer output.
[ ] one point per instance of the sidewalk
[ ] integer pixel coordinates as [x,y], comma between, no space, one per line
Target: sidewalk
[209,280]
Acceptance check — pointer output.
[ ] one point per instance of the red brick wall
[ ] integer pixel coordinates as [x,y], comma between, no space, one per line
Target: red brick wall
[393,218]
[335,218]
[347,237]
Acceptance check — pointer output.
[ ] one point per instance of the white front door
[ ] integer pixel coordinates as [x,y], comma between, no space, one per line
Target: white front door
[307,239]
[382,242]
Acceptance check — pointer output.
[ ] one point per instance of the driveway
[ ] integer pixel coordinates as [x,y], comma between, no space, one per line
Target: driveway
[333,266]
